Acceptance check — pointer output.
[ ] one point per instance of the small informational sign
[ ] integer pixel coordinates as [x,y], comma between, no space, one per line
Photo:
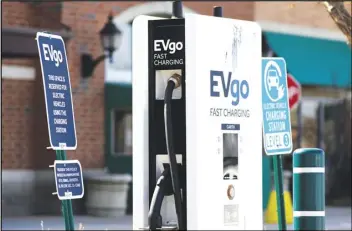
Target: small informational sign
[57,91]
[276,110]
[68,179]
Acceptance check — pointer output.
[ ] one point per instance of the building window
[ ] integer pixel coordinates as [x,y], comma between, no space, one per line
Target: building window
[121,132]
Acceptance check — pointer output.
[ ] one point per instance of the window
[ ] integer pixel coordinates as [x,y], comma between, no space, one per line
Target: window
[121,132]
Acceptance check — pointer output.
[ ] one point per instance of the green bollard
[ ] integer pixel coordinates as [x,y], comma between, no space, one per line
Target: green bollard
[309,189]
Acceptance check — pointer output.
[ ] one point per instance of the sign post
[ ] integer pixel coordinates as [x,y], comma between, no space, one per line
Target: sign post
[59,107]
[276,123]
[66,204]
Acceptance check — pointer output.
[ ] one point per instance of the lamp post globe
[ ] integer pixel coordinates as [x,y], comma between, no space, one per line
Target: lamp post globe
[110,37]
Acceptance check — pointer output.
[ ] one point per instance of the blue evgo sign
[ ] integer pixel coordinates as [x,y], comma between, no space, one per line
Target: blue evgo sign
[57,91]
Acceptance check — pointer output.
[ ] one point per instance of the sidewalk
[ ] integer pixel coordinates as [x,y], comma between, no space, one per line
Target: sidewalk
[57,223]
[336,219]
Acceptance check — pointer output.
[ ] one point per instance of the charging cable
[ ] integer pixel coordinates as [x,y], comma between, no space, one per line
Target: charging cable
[163,188]
[173,83]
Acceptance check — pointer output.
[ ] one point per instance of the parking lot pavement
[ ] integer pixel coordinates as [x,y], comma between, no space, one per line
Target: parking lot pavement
[57,223]
[336,219]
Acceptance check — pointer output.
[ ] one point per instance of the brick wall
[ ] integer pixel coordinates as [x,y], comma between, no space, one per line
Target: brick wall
[18,96]
[24,125]
[308,14]
[238,10]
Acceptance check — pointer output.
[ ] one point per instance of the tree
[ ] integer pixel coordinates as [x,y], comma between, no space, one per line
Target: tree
[341,18]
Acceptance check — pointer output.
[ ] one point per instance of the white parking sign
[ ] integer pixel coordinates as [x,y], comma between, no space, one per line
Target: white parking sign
[276,110]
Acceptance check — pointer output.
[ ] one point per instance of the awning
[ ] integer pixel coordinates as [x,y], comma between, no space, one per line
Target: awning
[118,88]
[313,61]
[19,42]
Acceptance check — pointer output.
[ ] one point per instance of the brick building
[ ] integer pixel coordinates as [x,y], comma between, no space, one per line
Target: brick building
[102,105]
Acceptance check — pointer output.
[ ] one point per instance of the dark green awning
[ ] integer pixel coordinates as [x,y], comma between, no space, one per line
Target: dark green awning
[314,61]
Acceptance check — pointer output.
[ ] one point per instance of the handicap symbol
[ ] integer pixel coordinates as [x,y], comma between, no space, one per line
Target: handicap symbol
[273,75]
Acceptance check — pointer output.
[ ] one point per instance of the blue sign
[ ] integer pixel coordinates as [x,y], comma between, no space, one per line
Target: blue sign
[57,91]
[276,110]
[233,127]
[68,179]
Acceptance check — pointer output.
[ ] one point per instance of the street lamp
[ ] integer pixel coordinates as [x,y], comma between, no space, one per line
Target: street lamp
[110,37]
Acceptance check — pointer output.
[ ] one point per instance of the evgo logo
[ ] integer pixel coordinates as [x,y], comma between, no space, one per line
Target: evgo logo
[50,54]
[219,86]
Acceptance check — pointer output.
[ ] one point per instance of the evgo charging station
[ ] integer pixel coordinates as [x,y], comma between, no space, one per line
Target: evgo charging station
[197,123]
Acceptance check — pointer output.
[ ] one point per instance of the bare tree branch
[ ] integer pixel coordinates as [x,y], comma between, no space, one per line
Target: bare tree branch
[341,17]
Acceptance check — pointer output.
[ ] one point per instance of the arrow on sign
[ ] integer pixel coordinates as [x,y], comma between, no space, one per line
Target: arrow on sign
[294,91]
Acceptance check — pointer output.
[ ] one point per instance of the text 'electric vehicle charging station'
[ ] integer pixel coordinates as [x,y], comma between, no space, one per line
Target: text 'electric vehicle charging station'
[197,143]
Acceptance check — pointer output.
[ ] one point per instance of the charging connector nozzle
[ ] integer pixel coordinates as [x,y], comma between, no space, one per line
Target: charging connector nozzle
[177,79]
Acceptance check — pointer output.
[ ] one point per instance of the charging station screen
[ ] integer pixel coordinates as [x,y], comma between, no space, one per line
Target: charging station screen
[230,156]
[230,163]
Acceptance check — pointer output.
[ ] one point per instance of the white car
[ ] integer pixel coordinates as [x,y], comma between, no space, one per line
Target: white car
[273,79]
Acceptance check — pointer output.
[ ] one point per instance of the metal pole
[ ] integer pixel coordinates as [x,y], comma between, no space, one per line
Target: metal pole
[320,127]
[68,202]
[63,202]
[177,11]
[217,11]
[70,214]
[309,189]
[299,125]
[278,178]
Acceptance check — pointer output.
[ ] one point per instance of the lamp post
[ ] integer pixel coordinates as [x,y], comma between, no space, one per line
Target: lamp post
[110,37]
